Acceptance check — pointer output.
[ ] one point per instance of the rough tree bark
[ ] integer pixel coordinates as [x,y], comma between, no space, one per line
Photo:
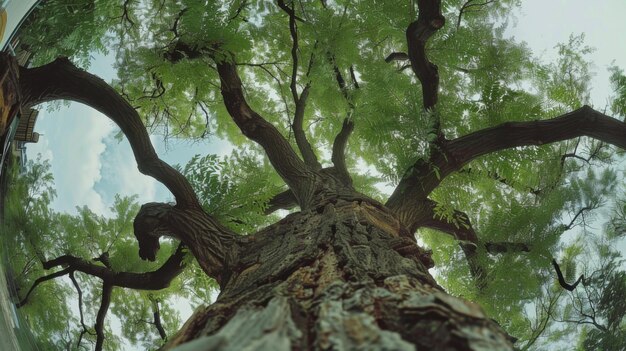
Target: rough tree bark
[340,276]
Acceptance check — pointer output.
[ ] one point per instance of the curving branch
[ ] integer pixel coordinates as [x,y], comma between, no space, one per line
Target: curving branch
[425,175]
[429,21]
[300,178]
[461,228]
[584,121]
[155,280]
[62,80]
[562,282]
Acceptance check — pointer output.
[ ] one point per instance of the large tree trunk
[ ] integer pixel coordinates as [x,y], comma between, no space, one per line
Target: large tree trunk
[340,276]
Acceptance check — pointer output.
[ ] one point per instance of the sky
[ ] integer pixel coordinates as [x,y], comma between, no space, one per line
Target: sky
[90,166]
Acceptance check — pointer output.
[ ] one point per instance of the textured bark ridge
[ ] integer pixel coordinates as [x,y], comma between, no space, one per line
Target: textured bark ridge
[338,277]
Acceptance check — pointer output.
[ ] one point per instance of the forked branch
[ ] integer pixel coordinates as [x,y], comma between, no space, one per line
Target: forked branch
[155,280]
[299,99]
[298,176]
[425,175]
[460,227]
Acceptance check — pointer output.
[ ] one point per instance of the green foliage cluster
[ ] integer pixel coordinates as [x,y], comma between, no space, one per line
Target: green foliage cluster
[235,189]
[35,233]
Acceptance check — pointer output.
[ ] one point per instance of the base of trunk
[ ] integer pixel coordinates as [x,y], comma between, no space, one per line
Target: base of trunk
[341,277]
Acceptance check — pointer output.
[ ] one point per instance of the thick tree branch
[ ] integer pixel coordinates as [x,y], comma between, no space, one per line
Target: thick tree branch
[582,122]
[425,175]
[339,150]
[298,131]
[429,20]
[460,227]
[155,280]
[102,312]
[281,201]
[397,56]
[300,178]
[61,80]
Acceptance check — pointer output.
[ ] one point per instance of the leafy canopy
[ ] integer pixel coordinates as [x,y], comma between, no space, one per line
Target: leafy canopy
[485,79]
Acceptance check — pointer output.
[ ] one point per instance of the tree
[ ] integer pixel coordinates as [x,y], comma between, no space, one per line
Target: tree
[35,233]
[461,141]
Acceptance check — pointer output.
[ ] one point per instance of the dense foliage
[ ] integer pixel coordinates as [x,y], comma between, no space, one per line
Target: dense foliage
[163,55]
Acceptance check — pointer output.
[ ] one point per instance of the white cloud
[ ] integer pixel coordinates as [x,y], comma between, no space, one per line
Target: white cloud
[125,177]
[74,139]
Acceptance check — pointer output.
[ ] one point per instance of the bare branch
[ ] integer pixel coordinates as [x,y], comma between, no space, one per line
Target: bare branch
[580,212]
[80,310]
[468,4]
[300,179]
[156,312]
